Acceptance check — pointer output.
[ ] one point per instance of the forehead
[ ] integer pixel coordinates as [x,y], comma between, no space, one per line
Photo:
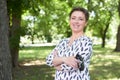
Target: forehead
[77,13]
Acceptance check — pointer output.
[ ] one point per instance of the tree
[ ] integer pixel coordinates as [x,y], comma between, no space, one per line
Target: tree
[15,23]
[5,57]
[15,14]
[102,14]
[118,32]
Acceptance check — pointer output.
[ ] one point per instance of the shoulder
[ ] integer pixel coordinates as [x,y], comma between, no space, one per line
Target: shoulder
[63,40]
[86,38]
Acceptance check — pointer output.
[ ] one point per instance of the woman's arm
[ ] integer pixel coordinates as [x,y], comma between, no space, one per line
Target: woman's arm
[58,62]
[53,54]
[70,61]
[85,50]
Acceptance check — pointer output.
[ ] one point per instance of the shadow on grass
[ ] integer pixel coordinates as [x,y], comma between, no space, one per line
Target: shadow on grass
[107,71]
[35,72]
[105,64]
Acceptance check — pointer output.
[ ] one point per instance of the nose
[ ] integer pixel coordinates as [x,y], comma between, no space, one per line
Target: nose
[76,21]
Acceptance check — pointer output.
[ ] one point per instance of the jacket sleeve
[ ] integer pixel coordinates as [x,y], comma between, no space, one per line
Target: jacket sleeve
[86,52]
[49,58]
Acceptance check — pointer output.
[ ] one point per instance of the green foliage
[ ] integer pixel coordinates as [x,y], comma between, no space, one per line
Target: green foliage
[51,18]
[103,13]
[55,14]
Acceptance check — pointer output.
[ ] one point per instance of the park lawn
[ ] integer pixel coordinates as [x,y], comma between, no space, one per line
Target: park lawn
[104,64]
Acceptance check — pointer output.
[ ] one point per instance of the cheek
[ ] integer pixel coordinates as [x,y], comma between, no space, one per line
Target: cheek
[83,23]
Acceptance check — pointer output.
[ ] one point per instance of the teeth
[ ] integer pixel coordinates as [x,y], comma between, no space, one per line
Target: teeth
[76,26]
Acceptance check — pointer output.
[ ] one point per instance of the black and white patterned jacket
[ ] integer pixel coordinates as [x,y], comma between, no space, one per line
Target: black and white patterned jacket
[81,46]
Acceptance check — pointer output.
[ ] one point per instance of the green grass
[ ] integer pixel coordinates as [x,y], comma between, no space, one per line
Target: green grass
[104,65]
[32,64]
[34,53]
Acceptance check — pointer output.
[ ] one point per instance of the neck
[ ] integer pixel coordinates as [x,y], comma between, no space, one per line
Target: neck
[77,35]
[74,37]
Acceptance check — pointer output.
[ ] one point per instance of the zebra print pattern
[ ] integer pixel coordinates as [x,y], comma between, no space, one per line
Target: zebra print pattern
[81,46]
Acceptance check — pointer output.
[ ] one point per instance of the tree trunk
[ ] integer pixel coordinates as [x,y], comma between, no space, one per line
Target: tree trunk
[5,57]
[118,40]
[15,38]
[118,32]
[106,29]
[103,41]
[15,30]
[104,35]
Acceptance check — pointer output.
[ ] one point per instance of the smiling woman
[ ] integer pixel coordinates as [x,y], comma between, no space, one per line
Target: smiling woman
[63,56]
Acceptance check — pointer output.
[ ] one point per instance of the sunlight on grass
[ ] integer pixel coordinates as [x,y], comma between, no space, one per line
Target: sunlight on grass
[34,53]
[113,79]
[104,64]
[36,62]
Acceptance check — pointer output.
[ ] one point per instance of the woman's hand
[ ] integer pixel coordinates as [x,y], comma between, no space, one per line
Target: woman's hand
[71,61]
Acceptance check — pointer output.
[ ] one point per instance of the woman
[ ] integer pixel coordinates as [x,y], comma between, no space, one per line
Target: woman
[63,56]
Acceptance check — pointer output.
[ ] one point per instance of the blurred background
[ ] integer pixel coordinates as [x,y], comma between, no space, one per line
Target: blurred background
[36,26]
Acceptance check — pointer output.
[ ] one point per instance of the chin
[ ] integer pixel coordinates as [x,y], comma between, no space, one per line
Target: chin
[76,31]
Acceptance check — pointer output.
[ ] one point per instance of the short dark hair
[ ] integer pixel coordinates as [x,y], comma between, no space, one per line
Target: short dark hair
[82,10]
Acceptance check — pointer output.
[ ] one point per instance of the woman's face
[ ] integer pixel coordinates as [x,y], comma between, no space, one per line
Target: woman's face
[77,21]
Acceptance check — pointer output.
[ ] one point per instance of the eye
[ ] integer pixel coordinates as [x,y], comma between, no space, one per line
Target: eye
[73,18]
[81,19]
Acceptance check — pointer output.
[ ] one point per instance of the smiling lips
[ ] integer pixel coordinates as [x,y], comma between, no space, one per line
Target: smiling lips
[76,26]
